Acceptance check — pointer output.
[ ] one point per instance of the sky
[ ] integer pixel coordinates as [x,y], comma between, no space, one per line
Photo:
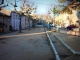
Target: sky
[43,6]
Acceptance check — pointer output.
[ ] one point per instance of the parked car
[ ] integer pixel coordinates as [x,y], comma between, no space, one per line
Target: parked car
[71,27]
[50,26]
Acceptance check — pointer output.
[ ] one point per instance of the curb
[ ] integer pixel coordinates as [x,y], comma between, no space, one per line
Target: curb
[74,52]
[53,47]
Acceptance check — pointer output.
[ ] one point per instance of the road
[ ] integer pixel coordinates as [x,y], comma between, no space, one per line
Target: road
[28,45]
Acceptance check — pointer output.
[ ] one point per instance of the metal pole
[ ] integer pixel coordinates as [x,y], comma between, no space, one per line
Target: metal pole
[29,21]
[20,25]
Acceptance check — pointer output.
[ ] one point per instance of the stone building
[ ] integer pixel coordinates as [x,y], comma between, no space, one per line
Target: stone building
[5,23]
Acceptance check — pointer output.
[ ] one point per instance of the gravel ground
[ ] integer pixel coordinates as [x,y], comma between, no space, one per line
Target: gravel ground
[28,45]
[73,42]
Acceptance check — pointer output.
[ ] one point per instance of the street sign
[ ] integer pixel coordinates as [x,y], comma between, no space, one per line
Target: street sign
[1,2]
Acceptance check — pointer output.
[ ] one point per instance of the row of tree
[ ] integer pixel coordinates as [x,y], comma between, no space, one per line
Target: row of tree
[67,6]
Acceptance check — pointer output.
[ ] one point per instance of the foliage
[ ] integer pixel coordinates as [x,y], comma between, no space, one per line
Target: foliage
[62,1]
[56,10]
[66,10]
[27,8]
[72,5]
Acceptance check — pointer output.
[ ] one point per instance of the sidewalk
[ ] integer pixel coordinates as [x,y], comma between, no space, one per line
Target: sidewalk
[24,32]
[71,40]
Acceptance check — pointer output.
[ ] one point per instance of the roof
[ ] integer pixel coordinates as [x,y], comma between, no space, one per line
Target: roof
[1,14]
[5,12]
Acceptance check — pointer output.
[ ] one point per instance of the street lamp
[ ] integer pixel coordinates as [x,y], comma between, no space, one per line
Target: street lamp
[20,26]
[14,5]
[26,11]
[20,15]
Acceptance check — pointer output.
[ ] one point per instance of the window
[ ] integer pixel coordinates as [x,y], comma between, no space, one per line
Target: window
[6,26]
[8,20]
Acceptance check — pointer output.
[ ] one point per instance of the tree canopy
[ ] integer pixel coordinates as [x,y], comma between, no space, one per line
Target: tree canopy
[56,10]
[71,5]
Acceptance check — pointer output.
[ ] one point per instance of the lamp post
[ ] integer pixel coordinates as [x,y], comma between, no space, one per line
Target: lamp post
[20,15]
[29,21]
[29,10]
[20,26]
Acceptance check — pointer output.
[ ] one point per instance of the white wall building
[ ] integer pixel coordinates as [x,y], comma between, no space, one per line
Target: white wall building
[30,23]
[24,22]
[15,20]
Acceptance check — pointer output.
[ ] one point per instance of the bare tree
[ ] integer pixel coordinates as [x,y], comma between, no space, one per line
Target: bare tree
[2,5]
[27,9]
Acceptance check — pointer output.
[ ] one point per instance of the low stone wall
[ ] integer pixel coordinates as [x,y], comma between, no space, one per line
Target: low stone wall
[71,32]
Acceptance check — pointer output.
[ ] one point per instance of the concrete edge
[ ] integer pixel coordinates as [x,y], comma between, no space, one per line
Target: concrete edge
[53,47]
[74,52]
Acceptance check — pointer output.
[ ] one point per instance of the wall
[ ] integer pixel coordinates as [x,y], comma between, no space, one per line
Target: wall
[6,20]
[15,21]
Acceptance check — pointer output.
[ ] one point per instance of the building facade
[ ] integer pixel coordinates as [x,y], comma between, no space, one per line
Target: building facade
[14,20]
[5,23]
[11,21]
